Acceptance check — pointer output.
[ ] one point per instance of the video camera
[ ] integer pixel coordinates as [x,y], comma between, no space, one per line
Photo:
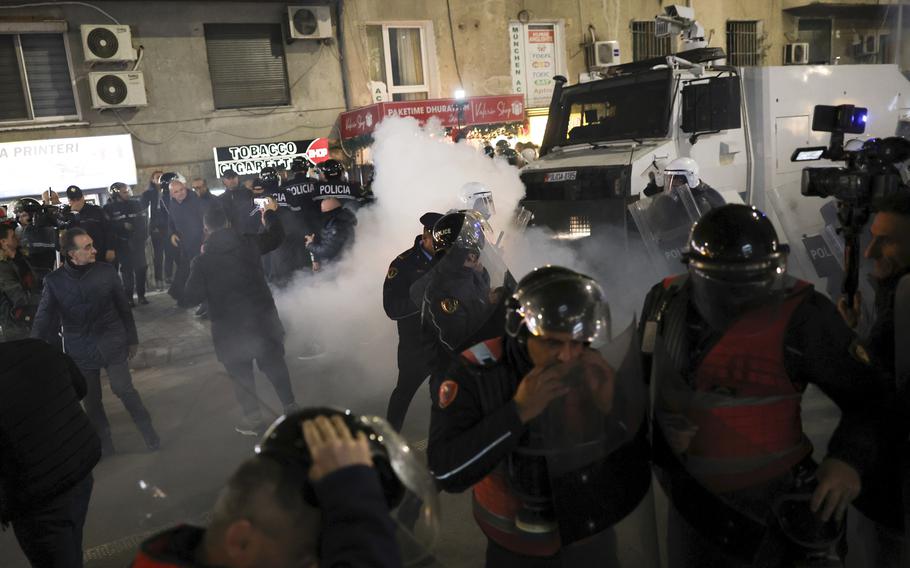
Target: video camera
[874,168]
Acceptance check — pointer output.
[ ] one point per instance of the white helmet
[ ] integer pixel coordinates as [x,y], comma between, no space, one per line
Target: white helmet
[682,167]
[477,197]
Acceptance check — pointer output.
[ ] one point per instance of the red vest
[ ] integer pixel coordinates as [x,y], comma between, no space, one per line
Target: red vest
[745,405]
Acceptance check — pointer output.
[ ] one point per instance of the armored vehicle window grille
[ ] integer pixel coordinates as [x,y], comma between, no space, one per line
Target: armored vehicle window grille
[645,44]
[35,79]
[247,65]
[744,43]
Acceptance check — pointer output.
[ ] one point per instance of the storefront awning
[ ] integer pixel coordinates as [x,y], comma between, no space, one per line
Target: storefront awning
[500,109]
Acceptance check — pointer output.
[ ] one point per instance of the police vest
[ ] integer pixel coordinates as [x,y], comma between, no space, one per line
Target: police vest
[744,404]
[591,498]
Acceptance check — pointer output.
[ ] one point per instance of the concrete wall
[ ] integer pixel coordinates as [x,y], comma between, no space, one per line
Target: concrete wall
[179,127]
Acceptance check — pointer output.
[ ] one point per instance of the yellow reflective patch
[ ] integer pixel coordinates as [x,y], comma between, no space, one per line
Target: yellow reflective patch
[449,305]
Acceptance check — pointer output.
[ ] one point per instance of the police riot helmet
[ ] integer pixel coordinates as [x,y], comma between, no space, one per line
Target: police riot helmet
[331,168]
[27,205]
[554,299]
[115,189]
[299,165]
[685,169]
[460,229]
[511,156]
[735,260]
[284,442]
[166,178]
[269,178]
[476,196]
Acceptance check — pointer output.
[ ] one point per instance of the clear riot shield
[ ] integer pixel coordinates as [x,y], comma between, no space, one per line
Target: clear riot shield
[664,222]
[584,470]
[466,287]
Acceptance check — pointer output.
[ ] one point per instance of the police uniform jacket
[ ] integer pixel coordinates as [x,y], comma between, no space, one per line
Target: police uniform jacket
[156,203]
[186,220]
[336,236]
[228,276]
[47,443]
[94,221]
[90,303]
[407,268]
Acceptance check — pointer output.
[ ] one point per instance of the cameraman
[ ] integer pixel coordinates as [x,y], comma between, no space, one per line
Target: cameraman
[262,519]
[889,252]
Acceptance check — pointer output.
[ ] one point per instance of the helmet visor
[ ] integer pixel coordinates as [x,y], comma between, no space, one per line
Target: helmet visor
[563,305]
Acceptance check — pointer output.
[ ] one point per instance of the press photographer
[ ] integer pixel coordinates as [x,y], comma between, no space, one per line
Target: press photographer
[37,234]
[875,179]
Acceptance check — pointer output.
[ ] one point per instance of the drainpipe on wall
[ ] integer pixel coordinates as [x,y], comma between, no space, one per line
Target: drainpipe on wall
[343,60]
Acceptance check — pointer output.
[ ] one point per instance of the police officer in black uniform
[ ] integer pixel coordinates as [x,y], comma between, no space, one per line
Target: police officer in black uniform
[404,271]
[291,255]
[130,229]
[523,417]
[456,297]
[733,345]
[93,220]
[37,236]
[336,231]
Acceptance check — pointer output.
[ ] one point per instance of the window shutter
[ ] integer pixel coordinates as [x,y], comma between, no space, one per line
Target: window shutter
[12,97]
[48,73]
[247,65]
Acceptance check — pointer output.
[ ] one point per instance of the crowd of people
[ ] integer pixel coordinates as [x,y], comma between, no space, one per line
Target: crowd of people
[556,435]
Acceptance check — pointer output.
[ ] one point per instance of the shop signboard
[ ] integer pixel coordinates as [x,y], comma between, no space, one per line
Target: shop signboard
[249,159]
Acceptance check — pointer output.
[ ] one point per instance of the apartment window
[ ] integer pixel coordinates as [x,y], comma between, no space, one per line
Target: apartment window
[645,45]
[397,56]
[744,43]
[817,33]
[247,65]
[35,79]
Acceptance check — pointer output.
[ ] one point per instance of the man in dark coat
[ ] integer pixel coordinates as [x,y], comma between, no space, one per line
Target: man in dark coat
[48,449]
[404,271]
[228,276]
[237,204]
[263,519]
[130,232]
[186,215]
[155,200]
[19,293]
[99,332]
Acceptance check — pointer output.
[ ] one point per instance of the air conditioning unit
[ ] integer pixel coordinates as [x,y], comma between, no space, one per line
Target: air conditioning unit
[310,22]
[107,44]
[796,54]
[606,54]
[117,89]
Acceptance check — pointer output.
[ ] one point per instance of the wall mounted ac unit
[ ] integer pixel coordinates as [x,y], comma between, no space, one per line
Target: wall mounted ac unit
[310,22]
[117,89]
[108,44]
[796,54]
[606,54]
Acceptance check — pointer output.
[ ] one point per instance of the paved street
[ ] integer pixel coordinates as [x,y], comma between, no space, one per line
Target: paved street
[193,406]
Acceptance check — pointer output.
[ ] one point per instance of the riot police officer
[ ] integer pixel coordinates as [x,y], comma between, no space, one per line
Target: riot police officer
[93,220]
[130,229]
[37,236]
[291,254]
[550,435]
[406,269]
[733,343]
[684,172]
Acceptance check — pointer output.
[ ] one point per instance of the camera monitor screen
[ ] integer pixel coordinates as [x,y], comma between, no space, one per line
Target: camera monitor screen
[808,154]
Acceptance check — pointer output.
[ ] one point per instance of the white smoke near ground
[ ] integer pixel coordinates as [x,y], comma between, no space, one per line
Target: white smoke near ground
[417,170]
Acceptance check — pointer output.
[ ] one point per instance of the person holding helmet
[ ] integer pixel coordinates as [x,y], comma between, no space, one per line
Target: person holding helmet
[317,493]
[731,345]
[684,172]
[551,436]
[37,235]
[155,201]
[130,229]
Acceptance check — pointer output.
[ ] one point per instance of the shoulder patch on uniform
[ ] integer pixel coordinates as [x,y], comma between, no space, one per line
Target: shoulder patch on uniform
[448,390]
[859,353]
[485,353]
[393,272]
[449,305]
